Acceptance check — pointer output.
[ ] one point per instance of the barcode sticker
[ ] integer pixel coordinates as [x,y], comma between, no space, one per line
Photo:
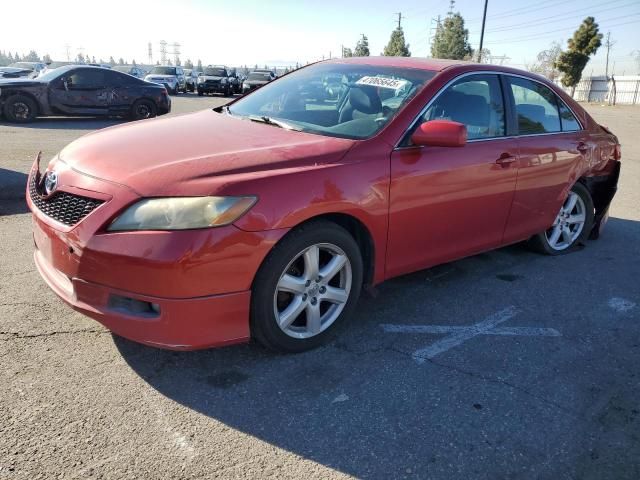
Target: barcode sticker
[382,82]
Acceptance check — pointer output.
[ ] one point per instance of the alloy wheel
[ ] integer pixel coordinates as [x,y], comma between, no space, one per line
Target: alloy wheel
[312,291]
[21,111]
[569,223]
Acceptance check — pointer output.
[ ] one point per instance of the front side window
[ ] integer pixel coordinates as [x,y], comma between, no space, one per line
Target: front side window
[476,102]
[87,78]
[536,107]
[332,99]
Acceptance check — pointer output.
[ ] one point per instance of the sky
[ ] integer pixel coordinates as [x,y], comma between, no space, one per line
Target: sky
[283,32]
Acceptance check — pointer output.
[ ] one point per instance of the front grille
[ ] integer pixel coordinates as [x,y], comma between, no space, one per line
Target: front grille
[64,207]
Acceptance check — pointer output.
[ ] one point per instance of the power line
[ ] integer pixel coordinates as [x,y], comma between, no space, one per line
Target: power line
[546,34]
[609,44]
[555,18]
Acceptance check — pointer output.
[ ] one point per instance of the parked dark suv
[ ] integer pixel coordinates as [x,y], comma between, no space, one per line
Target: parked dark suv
[82,90]
[218,79]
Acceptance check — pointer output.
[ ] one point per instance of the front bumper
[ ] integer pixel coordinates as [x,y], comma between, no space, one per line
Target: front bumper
[212,88]
[197,281]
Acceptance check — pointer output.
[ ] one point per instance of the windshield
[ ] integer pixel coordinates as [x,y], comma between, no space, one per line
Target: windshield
[51,74]
[356,102]
[163,70]
[215,72]
[28,66]
[262,76]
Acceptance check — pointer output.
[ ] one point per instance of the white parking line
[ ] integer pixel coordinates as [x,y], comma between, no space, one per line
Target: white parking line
[457,335]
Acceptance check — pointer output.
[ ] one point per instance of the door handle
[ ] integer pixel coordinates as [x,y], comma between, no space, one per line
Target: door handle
[505,160]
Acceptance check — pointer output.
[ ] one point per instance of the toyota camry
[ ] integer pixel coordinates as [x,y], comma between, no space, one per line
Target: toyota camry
[266,218]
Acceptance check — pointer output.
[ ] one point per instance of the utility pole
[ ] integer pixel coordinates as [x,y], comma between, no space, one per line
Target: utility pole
[432,34]
[484,19]
[150,54]
[399,19]
[163,52]
[609,44]
[452,4]
[67,47]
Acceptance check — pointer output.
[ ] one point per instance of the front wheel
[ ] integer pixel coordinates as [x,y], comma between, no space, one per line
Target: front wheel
[20,109]
[305,289]
[571,226]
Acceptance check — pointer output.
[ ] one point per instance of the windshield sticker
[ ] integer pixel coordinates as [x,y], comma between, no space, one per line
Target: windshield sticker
[382,82]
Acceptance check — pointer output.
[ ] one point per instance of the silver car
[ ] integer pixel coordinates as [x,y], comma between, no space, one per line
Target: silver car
[171,77]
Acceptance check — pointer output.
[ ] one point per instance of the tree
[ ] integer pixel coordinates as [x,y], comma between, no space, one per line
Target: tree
[112,62]
[347,52]
[397,47]
[169,62]
[545,63]
[178,61]
[46,58]
[362,47]
[80,58]
[585,42]
[451,39]
[32,56]
[199,65]
[121,61]
[188,64]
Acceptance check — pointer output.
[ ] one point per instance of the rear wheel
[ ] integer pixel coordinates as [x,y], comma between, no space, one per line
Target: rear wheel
[306,287]
[20,109]
[571,226]
[142,109]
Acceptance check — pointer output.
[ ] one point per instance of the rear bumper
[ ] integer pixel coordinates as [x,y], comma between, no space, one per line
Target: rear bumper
[180,324]
[603,188]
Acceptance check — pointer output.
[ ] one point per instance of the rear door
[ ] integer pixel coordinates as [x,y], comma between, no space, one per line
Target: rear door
[446,202]
[552,147]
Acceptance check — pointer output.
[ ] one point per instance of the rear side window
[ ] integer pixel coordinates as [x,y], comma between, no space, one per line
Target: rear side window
[476,102]
[536,107]
[569,121]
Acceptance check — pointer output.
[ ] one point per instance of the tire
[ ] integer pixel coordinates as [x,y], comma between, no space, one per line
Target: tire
[332,298]
[571,227]
[142,109]
[20,109]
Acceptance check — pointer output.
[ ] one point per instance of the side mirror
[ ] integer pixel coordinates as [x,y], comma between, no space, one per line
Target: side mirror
[440,133]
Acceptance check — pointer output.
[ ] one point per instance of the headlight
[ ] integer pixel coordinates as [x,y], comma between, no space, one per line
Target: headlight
[224,80]
[182,213]
[200,79]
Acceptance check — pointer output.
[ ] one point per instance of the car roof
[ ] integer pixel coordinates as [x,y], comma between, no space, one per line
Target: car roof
[433,64]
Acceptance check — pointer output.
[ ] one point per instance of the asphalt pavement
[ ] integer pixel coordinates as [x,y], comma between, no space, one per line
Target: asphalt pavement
[505,365]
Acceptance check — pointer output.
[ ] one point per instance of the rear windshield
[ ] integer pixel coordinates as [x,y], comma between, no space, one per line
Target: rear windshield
[215,72]
[163,70]
[357,102]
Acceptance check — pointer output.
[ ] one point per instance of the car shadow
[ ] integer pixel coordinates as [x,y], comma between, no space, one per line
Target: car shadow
[359,405]
[12,190]
[67,123]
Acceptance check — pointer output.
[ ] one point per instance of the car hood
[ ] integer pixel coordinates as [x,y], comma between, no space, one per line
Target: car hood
[256,82]
[196,154]
[19,82]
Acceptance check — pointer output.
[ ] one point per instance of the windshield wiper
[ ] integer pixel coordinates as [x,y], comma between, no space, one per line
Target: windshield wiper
[274,122]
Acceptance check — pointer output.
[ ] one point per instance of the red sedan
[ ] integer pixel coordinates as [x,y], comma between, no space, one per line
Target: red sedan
[266,218]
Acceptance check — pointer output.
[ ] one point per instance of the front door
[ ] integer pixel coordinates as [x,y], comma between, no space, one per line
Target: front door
[81,92]
[445,202]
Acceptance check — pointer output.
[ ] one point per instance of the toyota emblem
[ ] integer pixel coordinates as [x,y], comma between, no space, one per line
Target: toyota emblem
[50,182]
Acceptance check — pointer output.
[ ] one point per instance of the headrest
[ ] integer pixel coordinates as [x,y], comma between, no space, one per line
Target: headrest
[365,99]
